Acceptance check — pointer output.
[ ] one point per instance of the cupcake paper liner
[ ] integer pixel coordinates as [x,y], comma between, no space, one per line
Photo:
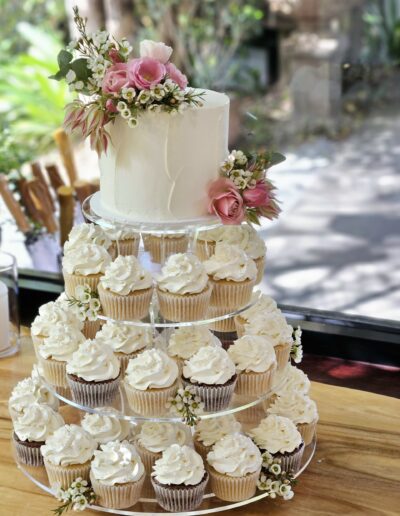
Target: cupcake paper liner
[307,431]
[231,294]
[63,476]
[124,359]
[204,249]
[119,496]
[223,326]
[282,352]
[73,280]
[134,306]
[255,384]
[177,498]
[29,455]
[292,461]
[162,247]
[148,457]
[233,489]
[54,371]
[128,247]
[94,394]
[186,307]
[250,417]
[260,264]
[151,402]
[214,397]
[90,328]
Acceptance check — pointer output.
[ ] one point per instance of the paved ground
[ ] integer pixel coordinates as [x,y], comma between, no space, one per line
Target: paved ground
[336,245]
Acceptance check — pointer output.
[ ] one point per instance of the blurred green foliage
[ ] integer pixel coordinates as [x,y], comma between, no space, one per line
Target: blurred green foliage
[382,31]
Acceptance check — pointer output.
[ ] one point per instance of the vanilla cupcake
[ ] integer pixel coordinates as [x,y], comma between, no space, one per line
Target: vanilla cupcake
[31,429]
[234,468]
[300,409]
[232,274]
[124,242]
[279,436]
[255,361]
[209,431]
[107,426]
[125,290]
[117,475]
[150,380]
[86,233]
[126,340]
[84,265]
[183,288]
[162,246]
[93,374]
[179,479]
[56,350]
[90,327]
[263,305]
[289,380]
[67,454]
[212,374]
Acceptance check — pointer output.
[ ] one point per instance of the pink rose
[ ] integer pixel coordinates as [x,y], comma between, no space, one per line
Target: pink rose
[226,201]
[176,75]
[156,50]
[257,196]
[115,78]
[115,56]
[145,72]
[110,106]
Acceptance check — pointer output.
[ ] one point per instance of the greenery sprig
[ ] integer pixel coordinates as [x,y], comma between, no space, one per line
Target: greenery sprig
[86,302]
[186,404]
[273,480]
[77,497]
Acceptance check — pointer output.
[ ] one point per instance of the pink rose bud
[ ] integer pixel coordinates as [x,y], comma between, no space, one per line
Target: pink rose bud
[257,196]
[115,78]
[145,72]
[226,201]
[176,75]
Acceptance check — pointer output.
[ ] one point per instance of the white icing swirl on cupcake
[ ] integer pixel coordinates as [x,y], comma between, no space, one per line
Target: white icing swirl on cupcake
[209,431]
[270,324]
[86,234]
[183,273]
[28,391]
[53,313]
[120,233]
[69,444]
[235,455]
[179,465]
[124,338]
[264,304]
[151,368]
[210,365]
[94,362]
[186,341]
[230,263]
[243,236]
[86,259]
[105,428]
[37,423]
[252,353]
[295,406]
[157,437]
[117,463]
[276,434]
[291,379]
[61,343]
[125,275]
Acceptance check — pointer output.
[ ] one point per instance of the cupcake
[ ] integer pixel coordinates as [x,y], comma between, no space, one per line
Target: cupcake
[232,274]
[56,350]
[263,305]
[67,454]
[124,242]
[150,380]
[206,241]
[86,233]
[209,431]
[300,409]
[117,475]
[183,289]
[279,436]
[93,374]
[126,340]
[125,290]
[161,247]
[212,374]
[179,479]
[31,429]
[107,426]
[90,326]
[84,265]
[254,358]
[289,380]
[234,468]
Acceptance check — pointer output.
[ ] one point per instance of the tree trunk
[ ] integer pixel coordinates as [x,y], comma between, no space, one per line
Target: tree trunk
[91,9]
[120,21]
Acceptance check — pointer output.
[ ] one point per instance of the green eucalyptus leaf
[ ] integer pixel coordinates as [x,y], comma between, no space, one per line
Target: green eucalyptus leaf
[64,58]
[79,66]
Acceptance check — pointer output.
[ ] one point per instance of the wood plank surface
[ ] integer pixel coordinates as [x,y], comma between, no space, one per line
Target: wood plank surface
[355,471]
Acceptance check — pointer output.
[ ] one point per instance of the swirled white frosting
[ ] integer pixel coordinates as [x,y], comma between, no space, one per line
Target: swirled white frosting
[276,434]
[86,259]
[243,236]
[179,465]
[94,362]
[69,444]
[86,234]
[105,428]
[270,324]
[230,262]
[252,353]
[151,368]
[209,431]
[61,343]
[117,463]
[125,275]
[291,379]
[157,437]
[186,341]
[120,233]
[37,423]
[235,455]
[124,338]
[295,406]
[183,273]
[263,305]
[210,365]
[53,313]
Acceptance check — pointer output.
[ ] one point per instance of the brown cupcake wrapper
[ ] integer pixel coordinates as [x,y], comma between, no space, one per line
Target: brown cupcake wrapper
[307,431]
[119,496]
[54,371]
[204,249]
[161,248]
[63,476]
[94,394]
[291,461]
[260,264]
[255,384]
[186,307]
[128,247]
[225,325]
[214,397]
[90,328]
[29,455]
[231,294]
[180,499]
[282,352]
[233,489]
[73,280]
[132,307]
[151,402]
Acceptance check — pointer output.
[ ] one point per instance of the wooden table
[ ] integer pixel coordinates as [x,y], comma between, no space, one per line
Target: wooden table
[356,469]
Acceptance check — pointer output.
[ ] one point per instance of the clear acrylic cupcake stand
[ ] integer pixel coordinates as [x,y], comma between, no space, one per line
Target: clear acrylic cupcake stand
[247,410]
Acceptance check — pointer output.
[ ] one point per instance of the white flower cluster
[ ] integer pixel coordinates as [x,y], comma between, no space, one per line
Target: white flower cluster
[296,352]
[86,301]
[186,404]
[234,167]
[273,480]
[98,65]
[77,497]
